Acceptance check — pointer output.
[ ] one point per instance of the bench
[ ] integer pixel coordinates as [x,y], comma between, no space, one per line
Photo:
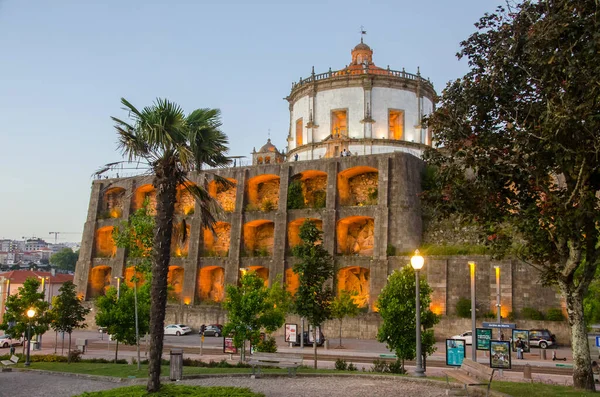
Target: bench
[281,360]
[471,373]
[11,361]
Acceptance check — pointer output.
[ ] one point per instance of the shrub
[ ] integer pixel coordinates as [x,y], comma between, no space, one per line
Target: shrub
[396,367]
[390,250]
[267,345]
[167,389]
[352,367]
[267,205]
[510,316]
[75,355]
[380,366]
[319,199]
[372,196]
[295,196]
[529,313]
[341,365]
[463,308]
[489,315]
[252,207]
[555,314]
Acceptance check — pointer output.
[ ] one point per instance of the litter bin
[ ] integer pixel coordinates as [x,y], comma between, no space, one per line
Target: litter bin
[176,358]
[542,354]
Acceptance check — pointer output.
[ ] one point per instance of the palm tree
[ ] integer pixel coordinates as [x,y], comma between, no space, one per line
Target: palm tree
[172,145]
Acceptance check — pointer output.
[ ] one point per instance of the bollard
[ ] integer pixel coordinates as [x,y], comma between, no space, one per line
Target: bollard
[542,354]
[176,364]
[326,344]
[527,371]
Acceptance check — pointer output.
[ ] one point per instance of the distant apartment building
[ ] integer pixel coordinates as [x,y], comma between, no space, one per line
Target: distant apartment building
[34,244]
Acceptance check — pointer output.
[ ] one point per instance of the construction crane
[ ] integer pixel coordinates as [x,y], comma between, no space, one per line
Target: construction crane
[57,233]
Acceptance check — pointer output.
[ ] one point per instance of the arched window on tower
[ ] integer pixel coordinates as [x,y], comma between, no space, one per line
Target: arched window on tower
[396,124]
[299,141]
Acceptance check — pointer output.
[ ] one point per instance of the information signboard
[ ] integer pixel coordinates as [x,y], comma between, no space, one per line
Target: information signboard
[228,346]
[484,336]
[455,352]
[291,332]
[499,325]
[500,354]
[520,338]
[597,341]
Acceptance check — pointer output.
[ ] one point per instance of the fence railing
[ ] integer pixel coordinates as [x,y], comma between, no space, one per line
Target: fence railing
[402,74]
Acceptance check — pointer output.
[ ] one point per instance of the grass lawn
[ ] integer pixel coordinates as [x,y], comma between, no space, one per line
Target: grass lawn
[169,390]
[517,389]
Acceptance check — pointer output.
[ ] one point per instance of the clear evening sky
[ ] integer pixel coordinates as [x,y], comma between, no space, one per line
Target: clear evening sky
[64,65]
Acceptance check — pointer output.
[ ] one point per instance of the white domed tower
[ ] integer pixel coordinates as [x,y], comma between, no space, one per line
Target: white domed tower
[362,109]
[267,154]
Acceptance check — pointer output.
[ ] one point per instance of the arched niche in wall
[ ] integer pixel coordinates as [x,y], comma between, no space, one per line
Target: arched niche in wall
[184,201]
[180,239]
[217,243]
[263,193]
[355,236]
[104,246]
[292,281]
[143,193]
[259,237]
[260,271]
[225,195]
[99,281]
[358,186]
[355,279]
[112,203]
[294,230]
[175,283]
[314,189]
[129,273]
[210,285]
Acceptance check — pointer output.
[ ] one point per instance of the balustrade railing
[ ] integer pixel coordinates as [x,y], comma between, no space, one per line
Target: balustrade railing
[349,72]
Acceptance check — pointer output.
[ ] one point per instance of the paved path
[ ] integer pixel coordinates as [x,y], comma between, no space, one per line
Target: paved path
[31,384]
[21,383]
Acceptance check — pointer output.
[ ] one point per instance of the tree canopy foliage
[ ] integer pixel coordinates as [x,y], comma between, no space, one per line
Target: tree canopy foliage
[315,269]
[344,306]
[520,145]
[65,259]
[68,312]
[15,321]
[253,307]
[397,307]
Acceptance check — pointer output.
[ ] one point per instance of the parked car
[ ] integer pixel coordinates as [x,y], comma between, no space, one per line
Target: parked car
[177,329]
[307,342]
[467,336]
[212,330]
[7,341]
[541,338]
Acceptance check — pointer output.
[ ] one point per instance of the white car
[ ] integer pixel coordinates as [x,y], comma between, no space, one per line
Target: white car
[7,341]
[177,329]
[467,336]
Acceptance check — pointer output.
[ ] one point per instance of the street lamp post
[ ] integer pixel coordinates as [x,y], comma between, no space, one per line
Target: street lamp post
[30,314]
[473,314]
[417,262]
[118,287]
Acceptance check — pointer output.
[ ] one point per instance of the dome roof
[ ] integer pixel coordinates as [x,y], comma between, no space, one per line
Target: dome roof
[362,46]
[268,147]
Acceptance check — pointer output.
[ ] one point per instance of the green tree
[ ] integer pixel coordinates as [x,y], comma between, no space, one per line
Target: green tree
[520,138]
[65,259]
[344,306]
[252,307]
[136,235]
[67,312]
[15,322]
[295,195]
[172,145]
[397,307]
[116,312]
[315,269]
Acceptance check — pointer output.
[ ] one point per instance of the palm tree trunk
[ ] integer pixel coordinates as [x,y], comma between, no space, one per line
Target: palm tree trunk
[166,189]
